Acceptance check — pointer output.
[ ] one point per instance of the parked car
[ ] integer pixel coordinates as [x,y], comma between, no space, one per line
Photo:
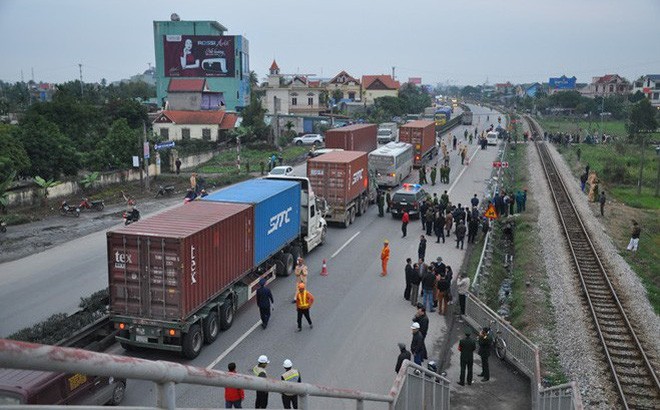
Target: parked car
[281,170]
[409,198]
[309,139]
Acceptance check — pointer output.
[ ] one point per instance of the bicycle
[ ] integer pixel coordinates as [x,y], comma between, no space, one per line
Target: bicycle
[499,344]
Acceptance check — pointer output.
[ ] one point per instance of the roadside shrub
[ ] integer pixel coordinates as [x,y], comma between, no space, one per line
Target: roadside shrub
[615,172]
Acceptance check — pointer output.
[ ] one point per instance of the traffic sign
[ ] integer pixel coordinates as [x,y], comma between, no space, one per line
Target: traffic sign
[162,145]
[500,164]
[146,150]
[505,164]
[491,213]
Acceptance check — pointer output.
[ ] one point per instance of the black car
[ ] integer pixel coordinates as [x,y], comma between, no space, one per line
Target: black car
[407,199]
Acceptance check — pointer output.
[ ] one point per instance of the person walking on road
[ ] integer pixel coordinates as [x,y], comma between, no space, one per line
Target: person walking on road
[388,200]
[449,221]
[467,347]
[463,154]
[233,397]
[177,163]
[434,174]
[462,288]
[430,217]
[264,300]
[439,227]
[601,201]
[421,249]
[417,347]
[474,201]
[410,278]
[404,223]
[301,275]
[259,370]
[634,237]
[453,143]
[381,204]
[473,228]
[484,352]
[404,354]
[428,288]
[460,233]
[443,291]
[423,320]
[304,301]
[385,257]
[290,375]
[416,281]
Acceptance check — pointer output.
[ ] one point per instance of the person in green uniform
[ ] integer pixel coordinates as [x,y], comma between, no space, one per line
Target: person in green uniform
[434,174]
[466,346]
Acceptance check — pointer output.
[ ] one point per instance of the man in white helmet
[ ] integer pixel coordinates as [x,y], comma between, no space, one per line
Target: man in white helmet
[260,371]
[290,375]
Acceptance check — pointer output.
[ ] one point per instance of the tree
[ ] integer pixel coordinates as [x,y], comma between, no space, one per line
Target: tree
[129,109]
[641,124]
[51,153]
[414,99]
[89,179]
[637,97]
[4,195]
[13,157]
[45,186]
[116,150]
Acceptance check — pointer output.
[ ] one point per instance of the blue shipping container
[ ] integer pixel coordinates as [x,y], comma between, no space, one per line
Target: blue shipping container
[276,212]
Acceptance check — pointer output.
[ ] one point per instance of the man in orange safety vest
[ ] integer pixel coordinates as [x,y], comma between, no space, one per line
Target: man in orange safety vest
[385,257]
[304,301]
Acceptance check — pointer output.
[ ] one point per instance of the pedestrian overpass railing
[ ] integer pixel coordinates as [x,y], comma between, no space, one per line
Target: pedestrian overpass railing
[418,388]
[414,387]
[524,355]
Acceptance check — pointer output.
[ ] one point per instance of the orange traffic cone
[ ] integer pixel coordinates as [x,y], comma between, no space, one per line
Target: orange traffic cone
[324,269]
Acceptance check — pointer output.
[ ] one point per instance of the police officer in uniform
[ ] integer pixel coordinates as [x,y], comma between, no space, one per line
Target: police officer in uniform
[290,375]
[484,352]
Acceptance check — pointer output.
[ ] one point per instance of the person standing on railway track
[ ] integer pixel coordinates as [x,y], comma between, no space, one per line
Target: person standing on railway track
[601,201]
[634,237]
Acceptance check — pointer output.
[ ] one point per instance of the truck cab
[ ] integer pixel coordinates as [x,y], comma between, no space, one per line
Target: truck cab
[313,227]
[387,132]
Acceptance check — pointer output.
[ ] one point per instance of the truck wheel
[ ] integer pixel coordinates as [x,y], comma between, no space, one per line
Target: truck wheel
[117,394]
[192,342]
[352,215]
[226,314]
[288,264]
[359,206]
[347,219]
[211,328]
[127,347]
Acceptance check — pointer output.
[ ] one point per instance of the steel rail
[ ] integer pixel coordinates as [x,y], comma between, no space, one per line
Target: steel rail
[580,240]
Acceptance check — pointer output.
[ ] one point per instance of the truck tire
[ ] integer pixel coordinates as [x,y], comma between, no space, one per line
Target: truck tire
[288,264]
[227,314]
[192,342]
[211,328]
[347,219]
[127,347]
[360,206]
[352,215]
[117,394]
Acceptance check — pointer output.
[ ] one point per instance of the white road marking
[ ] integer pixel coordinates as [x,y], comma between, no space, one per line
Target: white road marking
[233,346]
[462,171]
[344,245]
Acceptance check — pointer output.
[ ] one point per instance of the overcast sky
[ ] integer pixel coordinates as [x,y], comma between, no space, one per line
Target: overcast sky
[457,42]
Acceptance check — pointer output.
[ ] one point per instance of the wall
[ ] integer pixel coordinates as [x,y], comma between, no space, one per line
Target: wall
[195,130]
[190,161]
[32,195]
[371,95]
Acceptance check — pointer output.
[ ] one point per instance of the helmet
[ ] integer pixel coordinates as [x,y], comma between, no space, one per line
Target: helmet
[301,286]
[263,359]
[287,364]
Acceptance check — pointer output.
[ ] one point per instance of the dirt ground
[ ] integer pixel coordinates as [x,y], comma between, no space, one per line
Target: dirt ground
[50,228]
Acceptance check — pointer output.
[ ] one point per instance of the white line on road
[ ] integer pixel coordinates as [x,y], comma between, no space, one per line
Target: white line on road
[233,346]
[344,245]
[462,171]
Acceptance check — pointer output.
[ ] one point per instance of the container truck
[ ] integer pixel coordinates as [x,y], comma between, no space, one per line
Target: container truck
[177,278]
[387,132]
[342,179]
[421,134]
[358,137]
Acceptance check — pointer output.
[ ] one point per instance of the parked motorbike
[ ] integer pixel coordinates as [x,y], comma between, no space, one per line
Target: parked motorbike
[66,209]
[93,205]
[164,190]
[131,216]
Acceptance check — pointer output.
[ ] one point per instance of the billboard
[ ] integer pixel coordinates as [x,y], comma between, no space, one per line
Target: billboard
[415,80]
[198,56]
[562,83]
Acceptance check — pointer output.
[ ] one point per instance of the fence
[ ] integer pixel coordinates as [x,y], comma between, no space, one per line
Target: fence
[414,387]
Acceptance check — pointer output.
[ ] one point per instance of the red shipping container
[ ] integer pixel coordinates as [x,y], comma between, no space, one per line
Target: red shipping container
[339,176]
[421,134]
[168,266]
[358,137]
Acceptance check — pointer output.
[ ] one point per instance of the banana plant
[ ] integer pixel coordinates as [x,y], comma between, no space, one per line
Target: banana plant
[45,186]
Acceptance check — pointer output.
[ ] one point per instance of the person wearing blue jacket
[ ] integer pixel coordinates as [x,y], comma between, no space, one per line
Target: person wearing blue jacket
[264,300]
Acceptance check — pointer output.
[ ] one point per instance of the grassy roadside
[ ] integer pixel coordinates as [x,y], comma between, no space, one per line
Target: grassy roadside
[574,125]
[225,162]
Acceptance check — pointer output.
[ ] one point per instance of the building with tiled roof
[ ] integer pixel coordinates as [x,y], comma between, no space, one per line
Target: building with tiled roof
[176,125]
[376,86]
[649,85]
[291,93]
[348,85]
[607,85]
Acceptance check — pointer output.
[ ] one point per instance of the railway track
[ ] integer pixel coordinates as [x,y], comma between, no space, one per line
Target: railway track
[633,374]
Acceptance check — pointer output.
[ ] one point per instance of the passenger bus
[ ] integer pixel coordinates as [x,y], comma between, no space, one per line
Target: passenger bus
[391,163]
[442,116]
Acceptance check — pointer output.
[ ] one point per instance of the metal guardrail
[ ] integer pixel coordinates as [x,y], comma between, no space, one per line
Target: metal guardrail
[564,396]
[414,387]
[418,388]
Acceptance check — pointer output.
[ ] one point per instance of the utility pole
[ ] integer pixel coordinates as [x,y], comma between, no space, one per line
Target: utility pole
[393,71]
[81,80]
[276,129]
[145,145]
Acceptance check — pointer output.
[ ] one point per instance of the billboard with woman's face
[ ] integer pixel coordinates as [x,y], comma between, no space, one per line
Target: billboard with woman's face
[198,56]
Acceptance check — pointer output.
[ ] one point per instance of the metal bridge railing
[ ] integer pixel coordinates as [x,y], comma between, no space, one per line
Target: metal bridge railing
[414,387]
[418,388]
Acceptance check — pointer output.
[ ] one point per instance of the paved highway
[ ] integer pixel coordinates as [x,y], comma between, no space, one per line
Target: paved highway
[359,316]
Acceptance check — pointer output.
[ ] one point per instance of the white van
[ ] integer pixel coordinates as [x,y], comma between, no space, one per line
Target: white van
[491,137]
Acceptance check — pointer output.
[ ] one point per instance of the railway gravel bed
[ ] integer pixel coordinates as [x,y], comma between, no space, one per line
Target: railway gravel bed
[610,339]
